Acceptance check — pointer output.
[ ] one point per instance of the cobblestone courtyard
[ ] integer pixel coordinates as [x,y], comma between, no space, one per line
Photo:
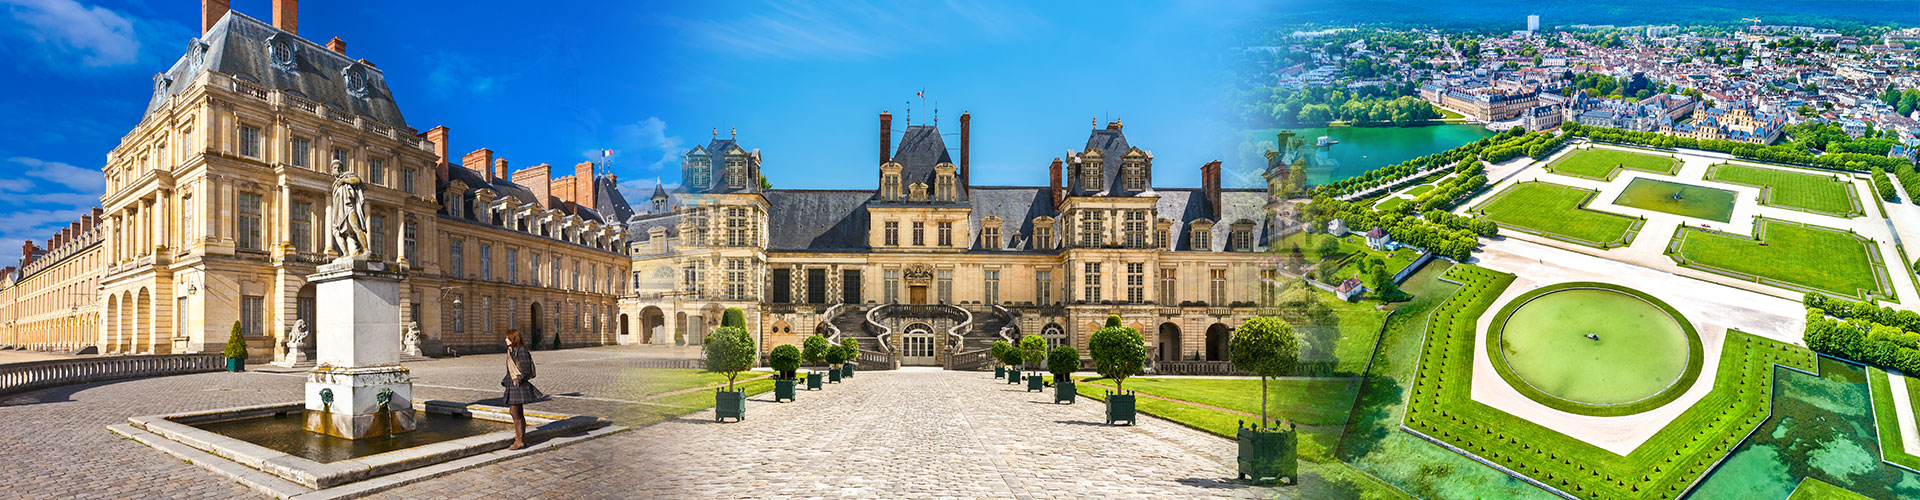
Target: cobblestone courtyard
[915,433]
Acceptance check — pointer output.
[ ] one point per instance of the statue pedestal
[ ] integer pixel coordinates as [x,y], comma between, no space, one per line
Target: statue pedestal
[294,356]
[358,388]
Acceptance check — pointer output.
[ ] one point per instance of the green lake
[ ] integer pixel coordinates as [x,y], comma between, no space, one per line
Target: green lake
[1679,199]
[1367,148]
[1821,428]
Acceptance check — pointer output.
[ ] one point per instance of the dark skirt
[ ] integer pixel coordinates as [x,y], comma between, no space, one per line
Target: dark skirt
[521,394]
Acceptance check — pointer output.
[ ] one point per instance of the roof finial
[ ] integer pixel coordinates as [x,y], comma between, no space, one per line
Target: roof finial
[936,114]
[716,132]
[909,115]
[1095,122]
[734,131]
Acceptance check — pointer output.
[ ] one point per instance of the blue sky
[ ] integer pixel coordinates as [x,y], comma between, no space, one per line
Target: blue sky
[553,81]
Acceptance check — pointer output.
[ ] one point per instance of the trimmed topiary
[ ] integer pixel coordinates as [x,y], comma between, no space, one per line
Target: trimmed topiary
[730,350]
[1033,350]
[1063,361]
[734,317]
[999,351]
[1268,347]
[236,344]
[1118,352]
[814,349]
[785,360]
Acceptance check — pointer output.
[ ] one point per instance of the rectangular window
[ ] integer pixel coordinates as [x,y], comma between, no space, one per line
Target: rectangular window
[1203,238]
[1136,229]
[486,262]
[576,276]
[1242,240]
[816,286]
[1042,287]
[250,141]
[555,279]
[513,265]
[303,308]
[300,153]
[782,285]
[456,258]
[377,236]
[891,285]
[1136,282]
[486,313]
[1043,237]
[946,234]
[893,233]
[299,228]
[850,286]
[1090,227]
[992,288]
[413,248]
[736,279]
[252,315]
[377,171]
[1217,287]
[247,235]
[919,234]
[1091,283]
[737,227]
[990,238]
[944,281]
[1168,285]
[534,267]
[186,221]
[340,155]
[406,180]
[1269,287]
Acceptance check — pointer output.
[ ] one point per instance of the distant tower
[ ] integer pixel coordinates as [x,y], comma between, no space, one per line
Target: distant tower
[1533,23]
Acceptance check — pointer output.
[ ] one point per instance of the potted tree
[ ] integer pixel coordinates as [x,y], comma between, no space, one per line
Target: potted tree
[852,346]
[999,353]
[1012,358]
[1118,353]
[1033,350]
[836,356]
[730,350]
[1062,362]
[785,360]
[1268,347]
[236,350]
[814,350]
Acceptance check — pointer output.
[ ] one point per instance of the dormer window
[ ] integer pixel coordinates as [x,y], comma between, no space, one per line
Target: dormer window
[699,173]
[1202,235]
[1241,236]
[943,189]
[890,187]
[917,192]
[1090,177]
[1133,177]
[736,177]
[990,234]
[1043,233]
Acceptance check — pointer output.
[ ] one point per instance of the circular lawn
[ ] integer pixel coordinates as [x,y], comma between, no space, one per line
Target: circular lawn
[1595,349]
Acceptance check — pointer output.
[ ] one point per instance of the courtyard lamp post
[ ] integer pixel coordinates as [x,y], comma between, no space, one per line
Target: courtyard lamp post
[1033,350]
[1268,347]
[1118,353]
[814,349]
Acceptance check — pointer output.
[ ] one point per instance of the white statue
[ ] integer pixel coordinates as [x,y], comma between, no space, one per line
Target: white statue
[410,342]
[296,344]
[347,214]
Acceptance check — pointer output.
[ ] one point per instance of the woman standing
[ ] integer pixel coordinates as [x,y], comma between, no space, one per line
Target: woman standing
[519,391]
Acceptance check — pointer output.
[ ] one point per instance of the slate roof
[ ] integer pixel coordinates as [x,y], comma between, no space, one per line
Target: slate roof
[239,45]
[817,219]
[1112,144]
[717,150]
[920,150]
[1016,206]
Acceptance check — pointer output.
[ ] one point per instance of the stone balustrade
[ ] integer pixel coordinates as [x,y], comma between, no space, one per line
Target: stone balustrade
[16,378]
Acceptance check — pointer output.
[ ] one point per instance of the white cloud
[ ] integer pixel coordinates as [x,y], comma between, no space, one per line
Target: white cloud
[97,36]
[15,185]
[36,225]
[81,179]
[649,143]
[454,75]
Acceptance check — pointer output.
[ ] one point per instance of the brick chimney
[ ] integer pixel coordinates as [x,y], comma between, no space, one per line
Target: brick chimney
[886,137]
[210,12]
[500,169]
[438,136]
[583,192]
[1210,183]
[478,161]
[966,121]
[86,222]
[1053,184]
[286,15]
[26,252]
[337,45]
[536,179]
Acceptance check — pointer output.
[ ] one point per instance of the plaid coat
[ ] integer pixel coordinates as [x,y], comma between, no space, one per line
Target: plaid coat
[524,392]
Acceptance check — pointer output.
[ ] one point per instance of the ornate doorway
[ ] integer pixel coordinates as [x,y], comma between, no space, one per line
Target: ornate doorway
[917,345]
[917,295]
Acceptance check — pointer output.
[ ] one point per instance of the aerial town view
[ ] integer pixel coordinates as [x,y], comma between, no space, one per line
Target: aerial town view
[1368,249]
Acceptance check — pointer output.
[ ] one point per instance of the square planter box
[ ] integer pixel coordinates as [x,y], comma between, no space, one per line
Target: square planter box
[729,405]
[1120,407]
[1063,392]
[783,390]
[236,364]
[1013,376]
[833,376]
[813,381]
[1268,453]
[999,372]
[1036,383]
[846,371]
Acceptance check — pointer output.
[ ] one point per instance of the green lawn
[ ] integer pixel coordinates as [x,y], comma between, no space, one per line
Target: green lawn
[1447,113]
[1310,243]
[1391,204]
[1559,212]
[1395,260]
[667,407]
[1604,163]
[1306,402]
[1892,445]
[1794,190]
[1419,190]
[1662,467]
[1815,489]
[1801,256]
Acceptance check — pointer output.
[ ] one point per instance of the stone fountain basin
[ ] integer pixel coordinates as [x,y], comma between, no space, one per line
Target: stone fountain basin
[179,428]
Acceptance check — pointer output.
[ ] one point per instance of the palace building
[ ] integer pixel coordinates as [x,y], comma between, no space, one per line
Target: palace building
[928,268]
[214,215]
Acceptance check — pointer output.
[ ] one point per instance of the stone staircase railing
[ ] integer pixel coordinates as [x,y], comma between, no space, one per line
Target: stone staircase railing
[16,378]
[959,330]
[827,317]
[886,344]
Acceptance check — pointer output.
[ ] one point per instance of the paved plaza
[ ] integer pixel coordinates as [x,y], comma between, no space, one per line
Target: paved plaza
[914,433]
